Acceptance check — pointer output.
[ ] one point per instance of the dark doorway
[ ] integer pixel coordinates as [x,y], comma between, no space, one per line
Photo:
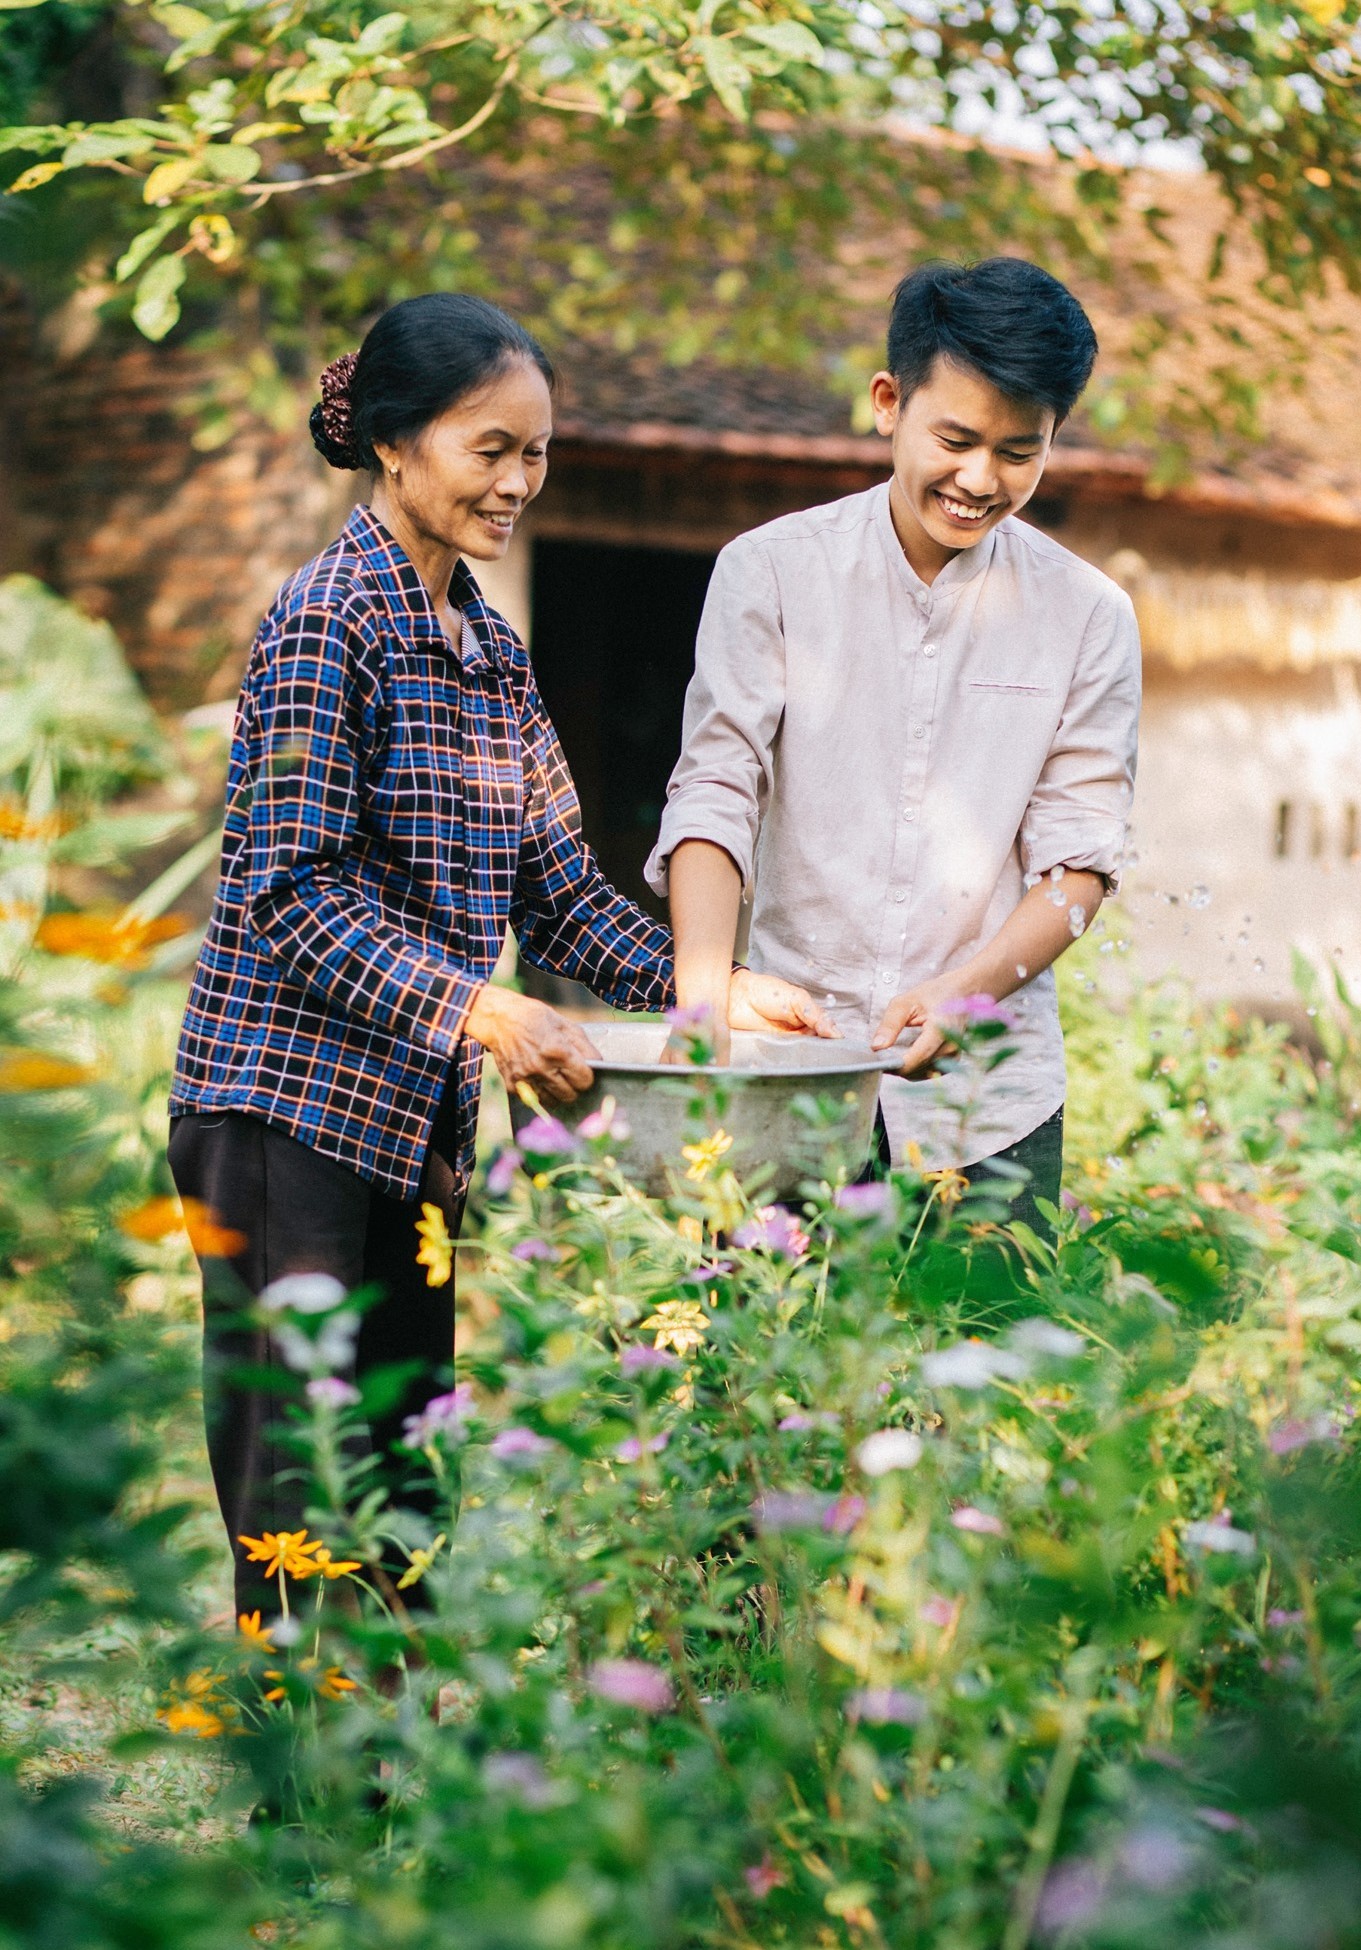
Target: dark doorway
[614,647]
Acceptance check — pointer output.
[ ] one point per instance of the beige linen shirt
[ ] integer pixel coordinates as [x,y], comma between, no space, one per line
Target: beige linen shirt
[888,762]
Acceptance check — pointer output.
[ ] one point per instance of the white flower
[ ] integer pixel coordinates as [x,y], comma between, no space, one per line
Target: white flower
[332,1348]
[889,1449]
[1046,1337]
[1221,1537]
[303,1293]
[972,1364]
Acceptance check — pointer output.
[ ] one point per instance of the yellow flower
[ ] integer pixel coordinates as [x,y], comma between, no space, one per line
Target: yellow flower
[322,1560]
[437,1248]
[421,1560]
[161,1216]
[702,1157]
[950,1185]
[253,1632]
[22,1070]
[283,1550]
[202,1710]
[678,1324]
[333,1684]
[914,1155]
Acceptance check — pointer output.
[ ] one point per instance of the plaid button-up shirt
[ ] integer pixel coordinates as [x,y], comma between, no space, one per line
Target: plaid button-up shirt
[392,804]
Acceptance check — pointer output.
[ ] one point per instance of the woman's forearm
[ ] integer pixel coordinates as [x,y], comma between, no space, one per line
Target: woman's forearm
[706,899]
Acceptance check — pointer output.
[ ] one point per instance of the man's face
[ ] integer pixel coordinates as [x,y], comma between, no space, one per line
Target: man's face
[964,455]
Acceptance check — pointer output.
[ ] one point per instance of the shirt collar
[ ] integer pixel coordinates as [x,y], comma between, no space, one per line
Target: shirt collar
[485,643]
[961,568]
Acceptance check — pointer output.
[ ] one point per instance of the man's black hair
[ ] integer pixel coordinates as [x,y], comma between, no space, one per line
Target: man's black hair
[1010,321]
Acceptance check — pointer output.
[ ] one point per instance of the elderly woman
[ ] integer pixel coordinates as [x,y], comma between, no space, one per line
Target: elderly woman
[396,798]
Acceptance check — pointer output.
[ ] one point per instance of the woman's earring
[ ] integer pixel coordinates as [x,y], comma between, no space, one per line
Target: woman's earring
[393,470]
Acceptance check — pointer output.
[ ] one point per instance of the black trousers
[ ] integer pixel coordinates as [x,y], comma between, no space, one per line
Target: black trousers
[1039,1153]
[301,1213]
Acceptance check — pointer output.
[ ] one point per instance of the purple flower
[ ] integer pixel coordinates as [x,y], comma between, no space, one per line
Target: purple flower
[631,1682]
[789,1510]
[1220,1820]
[979,1522]
[864,1201]
[885,1706]
[521,1775]
[802,1420]
[1156,1858]
[1071,1897]
[502,1169]
[762,1877]
[937,1611]
[978,1008]
[637,1358]
[532,1249]
[329,1391]
[516,1441]
[444,1415]
[716,1269]
[606,1122]
[1281,1621]
[547,1137]
[688,1020]
[774,1231]
[633,1449]
[1289,1435]
[844,1515]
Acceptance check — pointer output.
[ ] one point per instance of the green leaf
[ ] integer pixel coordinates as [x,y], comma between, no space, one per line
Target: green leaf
[100,145]
[729,76]
[382,33]
[142,245]
[230,162]
[51,137]
[790,39]
[157,309]
[13,6]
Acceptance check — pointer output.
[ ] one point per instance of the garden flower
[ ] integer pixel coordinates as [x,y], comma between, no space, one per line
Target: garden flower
[607,1122]
[864,1201]
[1289,1435]
[762,1877]
[950,1185]
[775,1231]
[502,1169]
[632,1682]
[329,1391]
[789,1510]
[334,1684]
[443,1415]
[939,1612]
[844,1515]
[889,1449]
[327,1566]
[437,1248]
[702,1276]
[1220,1820]
[636,1358]
[303,1293]
[1040,1338]
[1156,1858]
[964,1010]
[1281,1621]
[980,1522]
[254,1633]
[1072,1895]
[885,1706]
[678,1324]
[283,1550]
[633,1449]
[421,1560]
[971,1364]
[529,1250]
[201,1711]
[697,1016]
[519,1442]
[332,1347]
[160,1217]
[1220,1537]
[803,1420]
[521,1775]
[702,1157]
[547,1137]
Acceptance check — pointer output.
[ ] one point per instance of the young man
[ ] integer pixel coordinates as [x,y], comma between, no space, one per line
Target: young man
[911,731]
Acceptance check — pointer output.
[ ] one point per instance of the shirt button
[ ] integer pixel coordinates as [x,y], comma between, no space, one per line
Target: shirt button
[919,731]
[928,649]
[900,896]
[909,812]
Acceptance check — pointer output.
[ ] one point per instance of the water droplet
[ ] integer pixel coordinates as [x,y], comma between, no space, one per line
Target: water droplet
[1199,896]
[1077,920]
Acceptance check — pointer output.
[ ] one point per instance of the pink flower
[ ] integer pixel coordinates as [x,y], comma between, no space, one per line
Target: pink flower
[844,1515]
[1220,1820]
[698,1016]
[633,1449]
[886,1706]
[637,1358]
[978,1008]
[547,1137]
[937,1611]
[763,1877]
[1071,1896]
[444,1415]
[1281,1621]
[966,1517]
[607,1122]
[789,1510]
[1289,1435]
[864,1201]
[502,1169]
[632,1682]
[802,1420]
[774,1231]
[329,1391]
[532,1249]
[716,1269]
[516,1441]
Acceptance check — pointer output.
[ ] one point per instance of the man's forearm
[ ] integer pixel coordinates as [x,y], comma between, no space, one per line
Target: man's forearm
[706,899]
[1032,937]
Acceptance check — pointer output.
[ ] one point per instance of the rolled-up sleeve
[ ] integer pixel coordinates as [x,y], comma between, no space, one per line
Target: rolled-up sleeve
[1078,814]
[722,782]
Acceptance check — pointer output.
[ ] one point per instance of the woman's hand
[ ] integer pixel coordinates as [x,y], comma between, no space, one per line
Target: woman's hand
[767,1002]
[533,1044]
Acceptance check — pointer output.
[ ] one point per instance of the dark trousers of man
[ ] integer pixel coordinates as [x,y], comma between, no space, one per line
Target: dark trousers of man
[1039,1154]
[301,1213]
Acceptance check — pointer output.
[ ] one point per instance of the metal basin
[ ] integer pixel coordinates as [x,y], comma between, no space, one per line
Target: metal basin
[796,1107]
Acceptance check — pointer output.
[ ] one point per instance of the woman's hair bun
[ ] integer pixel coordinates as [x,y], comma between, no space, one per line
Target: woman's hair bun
[332,418]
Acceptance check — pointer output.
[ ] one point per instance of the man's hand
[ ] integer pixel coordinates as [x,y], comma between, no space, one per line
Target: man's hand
[915,1009]
[533,1044]
[768,1002]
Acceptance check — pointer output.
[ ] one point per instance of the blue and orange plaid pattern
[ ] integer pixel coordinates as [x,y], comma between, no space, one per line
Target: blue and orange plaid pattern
[392,805]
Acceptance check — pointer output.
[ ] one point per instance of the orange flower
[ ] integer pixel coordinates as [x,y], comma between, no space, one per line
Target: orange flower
[254,1633]
[22,1070]
[107,935]
[202,1710]
[950,1185]
[334,1685]
[330,1567]
[162,1216]
[15,823]
[282,1550]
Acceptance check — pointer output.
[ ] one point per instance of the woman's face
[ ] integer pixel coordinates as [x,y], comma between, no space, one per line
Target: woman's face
[465,480]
